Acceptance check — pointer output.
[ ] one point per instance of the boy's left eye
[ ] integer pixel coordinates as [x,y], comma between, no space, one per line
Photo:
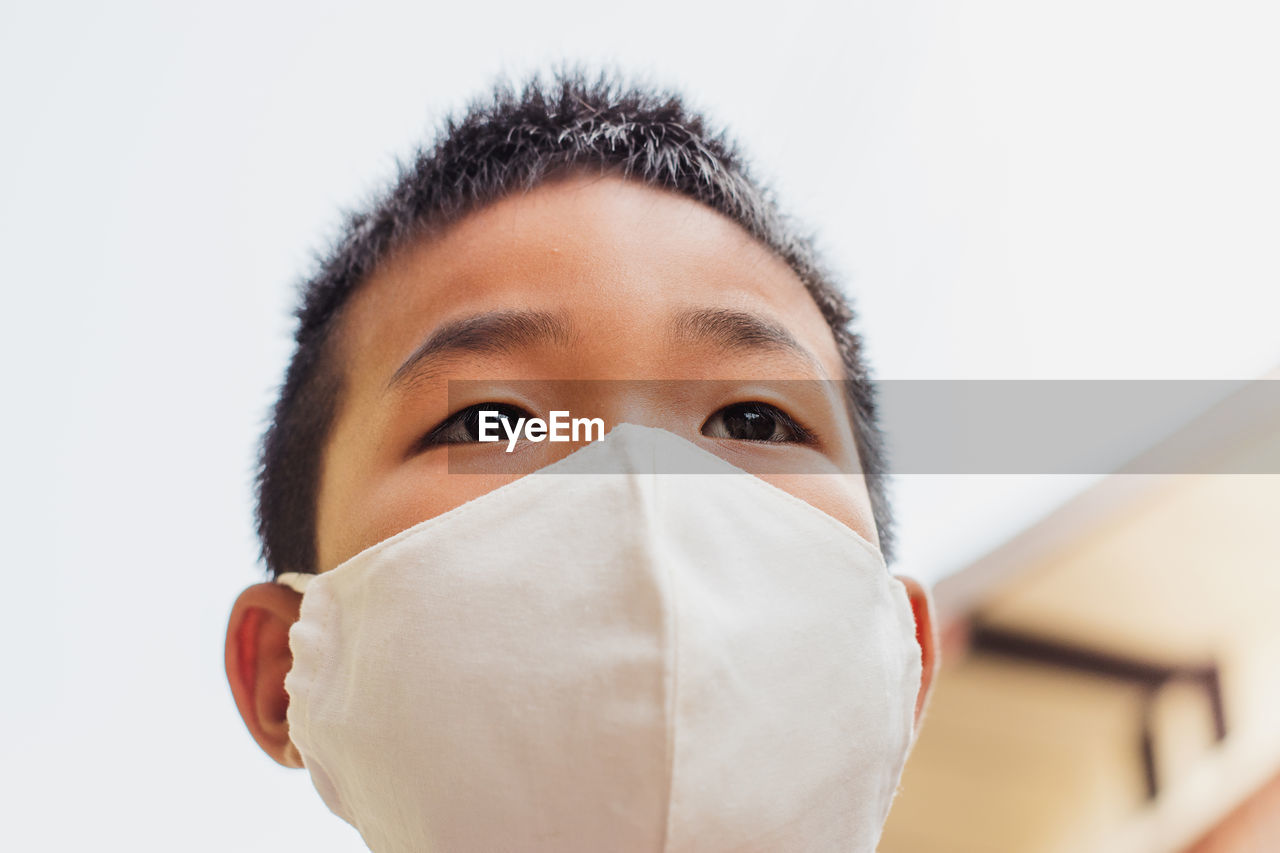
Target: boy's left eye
[754,421]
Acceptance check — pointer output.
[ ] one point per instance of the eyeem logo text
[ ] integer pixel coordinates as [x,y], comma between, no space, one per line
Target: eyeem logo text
[560,427]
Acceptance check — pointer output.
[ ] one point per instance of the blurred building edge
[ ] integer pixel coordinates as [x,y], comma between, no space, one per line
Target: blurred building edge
[1075,710]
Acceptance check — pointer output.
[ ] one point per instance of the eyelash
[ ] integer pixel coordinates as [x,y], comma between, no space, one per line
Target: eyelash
[435,437]
[801,434]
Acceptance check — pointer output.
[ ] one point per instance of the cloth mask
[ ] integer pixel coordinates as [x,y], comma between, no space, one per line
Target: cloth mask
[604,656]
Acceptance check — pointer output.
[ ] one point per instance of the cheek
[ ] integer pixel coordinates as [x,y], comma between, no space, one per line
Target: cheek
[841,496]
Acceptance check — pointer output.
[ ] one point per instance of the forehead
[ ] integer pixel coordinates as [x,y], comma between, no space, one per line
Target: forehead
[613,256]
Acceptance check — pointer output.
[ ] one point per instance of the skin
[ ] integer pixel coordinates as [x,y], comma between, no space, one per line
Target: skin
[615,265]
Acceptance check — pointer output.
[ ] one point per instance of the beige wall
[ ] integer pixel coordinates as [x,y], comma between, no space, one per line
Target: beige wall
[1026,759]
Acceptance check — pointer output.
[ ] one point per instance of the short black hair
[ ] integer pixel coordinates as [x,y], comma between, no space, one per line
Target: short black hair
[511,141]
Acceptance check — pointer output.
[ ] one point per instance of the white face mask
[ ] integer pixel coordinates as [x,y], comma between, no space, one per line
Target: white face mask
[629,661]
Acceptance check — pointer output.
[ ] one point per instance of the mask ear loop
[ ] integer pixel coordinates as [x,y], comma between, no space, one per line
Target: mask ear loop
[296,581]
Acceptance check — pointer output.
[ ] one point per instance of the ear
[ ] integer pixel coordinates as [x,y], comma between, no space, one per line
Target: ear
[927,637]
[258,658]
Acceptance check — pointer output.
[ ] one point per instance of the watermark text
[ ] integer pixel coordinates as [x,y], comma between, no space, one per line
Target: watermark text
[560,426]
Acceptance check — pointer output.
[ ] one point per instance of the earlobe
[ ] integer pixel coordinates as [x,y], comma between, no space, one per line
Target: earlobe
[926,636]
[257,660]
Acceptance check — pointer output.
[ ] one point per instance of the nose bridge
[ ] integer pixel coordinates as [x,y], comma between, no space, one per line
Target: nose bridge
[651,403]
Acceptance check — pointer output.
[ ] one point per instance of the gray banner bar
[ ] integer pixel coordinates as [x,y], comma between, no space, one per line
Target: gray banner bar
[962,427]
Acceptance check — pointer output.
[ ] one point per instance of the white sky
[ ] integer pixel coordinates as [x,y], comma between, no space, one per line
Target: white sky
[1056,189]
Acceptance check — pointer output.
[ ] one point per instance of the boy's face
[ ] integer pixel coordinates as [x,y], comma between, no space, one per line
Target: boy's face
[584,279]
[581,279]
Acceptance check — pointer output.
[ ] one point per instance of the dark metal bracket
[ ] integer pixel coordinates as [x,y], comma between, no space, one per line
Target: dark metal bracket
[1149,675]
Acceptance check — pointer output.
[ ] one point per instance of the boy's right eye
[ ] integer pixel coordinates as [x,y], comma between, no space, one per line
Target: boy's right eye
[463,426]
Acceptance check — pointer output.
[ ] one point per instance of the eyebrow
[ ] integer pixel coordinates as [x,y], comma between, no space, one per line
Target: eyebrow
[494,332]
[739,330]
[502,332]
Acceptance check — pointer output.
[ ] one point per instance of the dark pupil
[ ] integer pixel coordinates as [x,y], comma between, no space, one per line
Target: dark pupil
[748,424]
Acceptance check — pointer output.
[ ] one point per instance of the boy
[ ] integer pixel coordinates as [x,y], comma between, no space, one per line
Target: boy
[576,231]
